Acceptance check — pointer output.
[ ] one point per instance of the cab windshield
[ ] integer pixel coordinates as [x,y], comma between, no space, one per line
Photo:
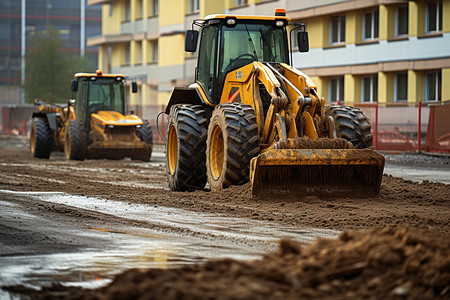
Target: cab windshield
[106,94]
[246,42]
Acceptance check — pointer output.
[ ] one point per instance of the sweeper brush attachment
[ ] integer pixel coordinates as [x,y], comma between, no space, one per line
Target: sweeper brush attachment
[301,172]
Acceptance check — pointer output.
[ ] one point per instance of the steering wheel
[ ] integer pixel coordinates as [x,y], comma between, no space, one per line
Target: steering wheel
[237,61]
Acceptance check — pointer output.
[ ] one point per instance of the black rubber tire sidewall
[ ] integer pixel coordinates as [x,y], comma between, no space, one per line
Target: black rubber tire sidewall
[75,133]
[191,124]
[145,134]
[241,143]
[352,125]
[43,141]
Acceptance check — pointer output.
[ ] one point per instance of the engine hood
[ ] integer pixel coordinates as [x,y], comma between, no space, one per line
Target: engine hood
[115,118]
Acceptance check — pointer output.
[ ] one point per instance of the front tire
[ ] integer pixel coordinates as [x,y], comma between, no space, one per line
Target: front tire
[145,134]
[233,141]
[352,125]
[185,147]
[41,139]
[74,141]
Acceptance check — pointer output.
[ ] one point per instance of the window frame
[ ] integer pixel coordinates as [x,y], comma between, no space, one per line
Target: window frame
[193,6]
[373,93]
[437,87]
[341,19]
[439,16]
[396,87]
[339,85]
[397,21]
[374,25]
[127,16]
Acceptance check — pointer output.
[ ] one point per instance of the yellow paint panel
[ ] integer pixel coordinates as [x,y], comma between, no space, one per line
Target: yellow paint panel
[208,7]
[111,23]
[446,18]
[445,86]
[170,50]
[171,12]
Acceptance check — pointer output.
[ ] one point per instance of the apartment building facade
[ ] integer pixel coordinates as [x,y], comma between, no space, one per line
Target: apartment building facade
[385,51]
[22,19]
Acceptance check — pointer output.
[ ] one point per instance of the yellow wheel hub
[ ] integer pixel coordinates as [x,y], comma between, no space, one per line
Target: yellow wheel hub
[33,139]
[172,151]
[216,152]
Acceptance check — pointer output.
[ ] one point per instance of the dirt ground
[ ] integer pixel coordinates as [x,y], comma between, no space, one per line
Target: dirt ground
[402,251]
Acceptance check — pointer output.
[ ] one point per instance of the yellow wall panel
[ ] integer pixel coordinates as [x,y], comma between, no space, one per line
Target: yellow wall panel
[171,50]
[318,32]
[163,98]
[171,12]
[385,87]
[387,22]
[413,18]
[208,7]
[445,80]
[412,86]
[446,15]
[111,24]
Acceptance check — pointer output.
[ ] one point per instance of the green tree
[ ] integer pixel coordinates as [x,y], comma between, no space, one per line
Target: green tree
[49,69]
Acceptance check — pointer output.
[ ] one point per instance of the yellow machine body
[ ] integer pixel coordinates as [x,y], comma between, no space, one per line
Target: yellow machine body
[305,146]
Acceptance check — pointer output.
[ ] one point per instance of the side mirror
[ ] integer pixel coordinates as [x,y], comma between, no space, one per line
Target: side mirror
[190,44]
[133,87]
[303,41]
[74,85]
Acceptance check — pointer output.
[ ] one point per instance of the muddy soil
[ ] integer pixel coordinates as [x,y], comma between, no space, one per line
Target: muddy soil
[377,264]
[390,261]
[401,202]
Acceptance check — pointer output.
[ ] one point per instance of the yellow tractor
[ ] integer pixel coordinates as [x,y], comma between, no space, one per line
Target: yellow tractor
[93,124]
[251,116]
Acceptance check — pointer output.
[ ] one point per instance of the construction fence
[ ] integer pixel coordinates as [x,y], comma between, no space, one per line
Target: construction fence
[422,127]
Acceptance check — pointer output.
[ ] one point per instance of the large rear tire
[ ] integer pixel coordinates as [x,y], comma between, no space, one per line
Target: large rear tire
[74,141]
[145,134]
[41,139]
[352,125]
[185,147]
[232,142]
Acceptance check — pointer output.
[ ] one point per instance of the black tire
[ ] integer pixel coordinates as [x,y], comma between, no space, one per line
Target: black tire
[352,125]
[145,134]
[74,141]
[41,139]
[186,133]
[232,142]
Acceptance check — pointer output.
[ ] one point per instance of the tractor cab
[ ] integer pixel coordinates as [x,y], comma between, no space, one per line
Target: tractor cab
[230,42]
[95,92]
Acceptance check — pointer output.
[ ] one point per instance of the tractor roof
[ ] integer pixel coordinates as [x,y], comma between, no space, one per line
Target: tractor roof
[246,17]
[98,74]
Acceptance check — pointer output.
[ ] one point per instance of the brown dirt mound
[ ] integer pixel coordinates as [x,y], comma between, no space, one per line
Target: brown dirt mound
[377,264]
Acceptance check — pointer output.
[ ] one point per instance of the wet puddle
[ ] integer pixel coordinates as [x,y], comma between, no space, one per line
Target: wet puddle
[168,237]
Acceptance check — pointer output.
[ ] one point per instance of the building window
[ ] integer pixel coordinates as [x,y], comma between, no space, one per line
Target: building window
[154,50]
[139,49]
[337,29]
[401,87]
[111,10]
[370,88]
[370,25]
[127,10]
[154,7]
[127,54]
[434,16]
[401,24]
[433,86]
[336,89]
[140,5]
[240,2]
[193,6]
